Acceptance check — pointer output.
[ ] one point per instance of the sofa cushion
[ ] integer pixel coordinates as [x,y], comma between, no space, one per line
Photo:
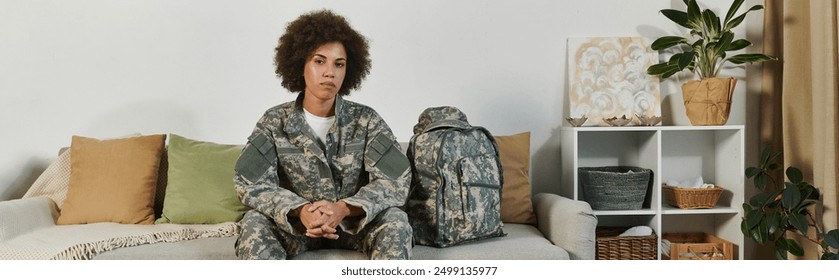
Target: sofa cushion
[112,180]
[516,204]
[214,248]
[523,242]
[200,183]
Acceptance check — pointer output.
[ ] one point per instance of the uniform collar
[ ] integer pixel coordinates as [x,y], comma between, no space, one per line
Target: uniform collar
[302,135]
[339,104]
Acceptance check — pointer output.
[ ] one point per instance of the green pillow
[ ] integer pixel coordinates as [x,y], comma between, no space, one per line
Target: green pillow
[200,187]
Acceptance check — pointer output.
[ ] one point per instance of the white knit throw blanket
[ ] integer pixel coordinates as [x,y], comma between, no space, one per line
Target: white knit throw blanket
[81,242]
[86,240]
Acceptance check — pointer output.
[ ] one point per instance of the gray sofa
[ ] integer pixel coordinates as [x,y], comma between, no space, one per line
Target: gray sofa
[565,230]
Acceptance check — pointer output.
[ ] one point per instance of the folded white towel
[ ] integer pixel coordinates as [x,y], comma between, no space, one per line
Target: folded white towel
[638,231]
[693,183]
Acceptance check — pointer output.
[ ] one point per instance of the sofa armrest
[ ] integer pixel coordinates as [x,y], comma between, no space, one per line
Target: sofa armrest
[24,215]
[567,223]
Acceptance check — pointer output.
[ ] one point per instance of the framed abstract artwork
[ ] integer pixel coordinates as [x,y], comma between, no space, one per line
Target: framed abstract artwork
[608,79]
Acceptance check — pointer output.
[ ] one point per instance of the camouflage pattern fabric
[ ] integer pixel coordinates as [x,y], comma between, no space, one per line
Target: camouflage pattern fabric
[456,187]
[283,166]
[387,237]
[440,115]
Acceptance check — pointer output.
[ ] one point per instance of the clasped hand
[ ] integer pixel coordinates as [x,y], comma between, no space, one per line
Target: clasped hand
[321,218]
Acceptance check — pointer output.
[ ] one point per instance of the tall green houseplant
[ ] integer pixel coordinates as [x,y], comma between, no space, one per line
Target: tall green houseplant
[785,208]
[705,53]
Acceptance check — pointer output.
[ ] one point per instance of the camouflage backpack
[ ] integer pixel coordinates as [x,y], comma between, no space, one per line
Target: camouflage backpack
[455,192]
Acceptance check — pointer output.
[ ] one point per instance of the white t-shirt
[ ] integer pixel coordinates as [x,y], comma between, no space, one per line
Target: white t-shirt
[320,125]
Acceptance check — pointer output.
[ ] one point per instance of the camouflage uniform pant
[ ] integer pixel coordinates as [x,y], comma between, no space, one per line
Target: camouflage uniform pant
[388,236]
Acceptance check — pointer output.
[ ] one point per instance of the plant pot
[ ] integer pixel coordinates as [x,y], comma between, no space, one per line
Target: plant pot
[708,101]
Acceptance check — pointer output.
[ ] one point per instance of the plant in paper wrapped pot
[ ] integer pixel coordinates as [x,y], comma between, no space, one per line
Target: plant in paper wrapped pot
[784,208]
[707,100]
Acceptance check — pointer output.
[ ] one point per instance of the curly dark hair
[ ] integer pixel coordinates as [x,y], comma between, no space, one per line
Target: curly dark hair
[307,33]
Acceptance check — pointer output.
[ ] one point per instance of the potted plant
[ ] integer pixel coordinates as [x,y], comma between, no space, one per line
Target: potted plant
[707,100]
[772,213]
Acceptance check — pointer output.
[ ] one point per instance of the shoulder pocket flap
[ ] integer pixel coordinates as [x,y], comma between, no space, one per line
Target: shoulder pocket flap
[252,165]
[378,147]
[261,142]
[386,157]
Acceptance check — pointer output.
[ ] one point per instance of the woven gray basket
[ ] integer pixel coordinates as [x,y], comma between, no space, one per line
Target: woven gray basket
[615,187]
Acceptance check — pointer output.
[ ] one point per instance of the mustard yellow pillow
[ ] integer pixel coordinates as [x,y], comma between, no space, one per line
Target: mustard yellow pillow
[112,180]
[516,203]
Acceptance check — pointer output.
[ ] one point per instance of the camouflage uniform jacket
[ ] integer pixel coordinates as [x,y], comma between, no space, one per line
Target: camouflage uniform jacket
[284,165]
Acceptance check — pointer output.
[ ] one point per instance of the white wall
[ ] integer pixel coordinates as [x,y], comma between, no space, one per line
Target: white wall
[203,69]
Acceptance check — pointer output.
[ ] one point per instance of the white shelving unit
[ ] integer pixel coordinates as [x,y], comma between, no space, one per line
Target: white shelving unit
[672,152]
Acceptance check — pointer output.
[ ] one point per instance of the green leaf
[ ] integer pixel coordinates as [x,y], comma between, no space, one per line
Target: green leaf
[773,223]
[791,197]
[733,9]
[805,192]
[744,228]
[671,72]
[760,181]
[750,58]
[829,256]
[724,43]
[784,221]
[752,171]
[832,238]
[746,207]
[664,69]
[737,45]
[712,22]
[782,244]
[764,155]
[758,200]
[799,222]
[736,21]
[780,254]
[812,191]
[774,166]
[754,218]
[667,41]
[794,175]
[686,59]
[672,66]
[781,248]
[760,234]
[774,155]
[694,15]
[679,17]
[808,203]
[794,247]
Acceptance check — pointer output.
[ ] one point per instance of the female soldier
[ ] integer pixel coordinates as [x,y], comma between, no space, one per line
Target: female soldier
[322,172]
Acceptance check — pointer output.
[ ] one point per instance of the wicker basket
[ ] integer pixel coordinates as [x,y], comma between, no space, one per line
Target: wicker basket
[610,246]
[615,187]
[691,198]
[697,246]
